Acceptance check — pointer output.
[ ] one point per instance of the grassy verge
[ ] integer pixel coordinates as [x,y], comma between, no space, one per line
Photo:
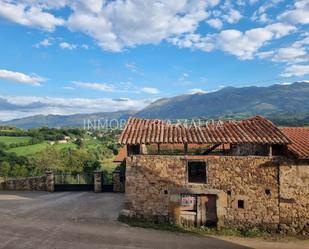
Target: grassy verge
[204,231]
[134,222]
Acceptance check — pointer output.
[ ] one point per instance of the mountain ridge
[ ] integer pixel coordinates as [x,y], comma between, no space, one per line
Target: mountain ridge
[250,101]
[287,104]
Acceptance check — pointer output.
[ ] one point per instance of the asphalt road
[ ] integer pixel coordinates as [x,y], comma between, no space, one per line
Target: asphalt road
[82,220]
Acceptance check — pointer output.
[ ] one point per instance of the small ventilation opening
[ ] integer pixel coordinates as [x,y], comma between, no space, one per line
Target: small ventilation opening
[165,192]
[229,193]
[267,191]
[241,204]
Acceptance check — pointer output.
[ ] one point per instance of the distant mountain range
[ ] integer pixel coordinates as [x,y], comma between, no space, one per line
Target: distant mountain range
[285,104]
[76,120]
[247,101]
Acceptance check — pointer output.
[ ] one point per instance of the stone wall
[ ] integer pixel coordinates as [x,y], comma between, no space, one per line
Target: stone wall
[118,181]
[29,183]
[294,197]
[149,179]
[97,181]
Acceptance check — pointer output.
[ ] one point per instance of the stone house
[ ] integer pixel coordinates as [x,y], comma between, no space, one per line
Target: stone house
[242,174]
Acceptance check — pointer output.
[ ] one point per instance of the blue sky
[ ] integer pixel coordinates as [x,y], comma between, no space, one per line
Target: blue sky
[65,56]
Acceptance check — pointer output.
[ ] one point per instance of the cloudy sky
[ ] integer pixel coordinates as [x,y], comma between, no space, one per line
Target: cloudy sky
[71,56]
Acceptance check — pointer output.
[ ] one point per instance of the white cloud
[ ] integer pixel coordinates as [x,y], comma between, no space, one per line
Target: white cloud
[215,23]
[114,28]
[32,105]
[117,25]
[85,46]
[29,15]
[296,53]
[290,54]
[68,88]
[299,14]
[65,45]
[233,16]
[244,45]
[194,41]
[183,77]
[94,86]
[150,90]
[43,43]
[296,70]
[33,80]
[133,68]
[197,91]
[261,14]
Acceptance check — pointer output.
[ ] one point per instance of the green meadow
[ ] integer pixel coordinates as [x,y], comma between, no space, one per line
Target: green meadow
[35,148]
[14,140]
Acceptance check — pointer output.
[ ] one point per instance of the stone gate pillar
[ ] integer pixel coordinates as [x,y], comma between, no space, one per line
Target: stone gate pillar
[50,181]
[118,181]
[97,181]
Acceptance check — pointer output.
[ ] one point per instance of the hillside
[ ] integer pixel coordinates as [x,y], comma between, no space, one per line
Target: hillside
[283,104]
[57,121]
[247,101]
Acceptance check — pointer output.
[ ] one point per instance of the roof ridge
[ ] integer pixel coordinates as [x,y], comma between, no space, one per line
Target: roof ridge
[253,130]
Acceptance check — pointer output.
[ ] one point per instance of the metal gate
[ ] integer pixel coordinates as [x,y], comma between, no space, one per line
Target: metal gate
[74,182]
[107,182]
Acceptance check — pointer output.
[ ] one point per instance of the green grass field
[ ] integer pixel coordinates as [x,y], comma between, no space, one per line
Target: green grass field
[32,149]
[91,142]
[14,140]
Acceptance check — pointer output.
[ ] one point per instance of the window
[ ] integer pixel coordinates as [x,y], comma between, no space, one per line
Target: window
[241,204]
[229,193]
[197,172]
[134,149]
[267,191]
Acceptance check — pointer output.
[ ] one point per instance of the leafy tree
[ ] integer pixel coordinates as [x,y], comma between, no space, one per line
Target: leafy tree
[5,169]
[3,146]
[90,166]
[19,171]
[79,142]
[49,159]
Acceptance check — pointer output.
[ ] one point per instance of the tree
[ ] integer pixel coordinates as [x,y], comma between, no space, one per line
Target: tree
[5,169]
[3,146]
[75,160]
[19,171]
[79,142]
[90,166]
[49,159]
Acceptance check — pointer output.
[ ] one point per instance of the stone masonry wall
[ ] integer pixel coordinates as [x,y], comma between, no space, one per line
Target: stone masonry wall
[251,179]
[294,197]
[29,183]
[118,182]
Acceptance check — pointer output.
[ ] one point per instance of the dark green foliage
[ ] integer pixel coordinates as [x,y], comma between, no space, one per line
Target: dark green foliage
[79,142]
[3,146]
[91,165]
[12,165]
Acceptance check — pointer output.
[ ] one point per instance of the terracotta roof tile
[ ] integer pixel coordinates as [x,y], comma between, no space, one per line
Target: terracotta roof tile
[253,130]
[122,154]
[300,141]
